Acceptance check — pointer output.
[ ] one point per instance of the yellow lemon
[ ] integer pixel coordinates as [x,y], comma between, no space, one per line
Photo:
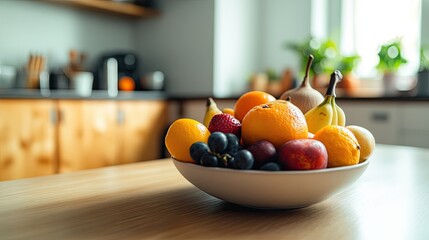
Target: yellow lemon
[365,139]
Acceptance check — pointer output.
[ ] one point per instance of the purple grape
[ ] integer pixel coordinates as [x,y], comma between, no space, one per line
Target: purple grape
[263,152]
[209,160]
[270,166]
[217,142]
[197,150]
[243,160]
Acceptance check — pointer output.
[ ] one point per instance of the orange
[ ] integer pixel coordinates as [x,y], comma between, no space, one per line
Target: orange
[126,84]
[277,122]
[248,100]
[365,139]
[181,134]
[343,147]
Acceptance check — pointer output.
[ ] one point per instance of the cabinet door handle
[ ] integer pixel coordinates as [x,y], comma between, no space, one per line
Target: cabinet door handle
[120,117]
[380,117]
[54,116]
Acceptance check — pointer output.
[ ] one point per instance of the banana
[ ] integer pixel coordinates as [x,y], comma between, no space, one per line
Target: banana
[319,116]
[211,110]
[328,112]
[341,116]
[334,112]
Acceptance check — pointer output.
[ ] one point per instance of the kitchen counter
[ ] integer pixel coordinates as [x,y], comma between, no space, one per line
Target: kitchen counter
[151,200]
[70,94]
[162,95]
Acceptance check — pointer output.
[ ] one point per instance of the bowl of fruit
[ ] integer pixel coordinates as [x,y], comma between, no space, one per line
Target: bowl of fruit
[269,153]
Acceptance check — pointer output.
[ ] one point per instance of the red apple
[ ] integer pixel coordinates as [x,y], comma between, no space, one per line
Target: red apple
[303,154]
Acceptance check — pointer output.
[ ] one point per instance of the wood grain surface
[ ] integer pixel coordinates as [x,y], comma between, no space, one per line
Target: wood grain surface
[141,130]
[151,200]
[27,139]
[86,134]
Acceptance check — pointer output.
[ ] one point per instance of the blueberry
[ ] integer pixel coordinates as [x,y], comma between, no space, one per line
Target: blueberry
[197,150]
[209,160]
[217,142]
[271,166]
[243,160]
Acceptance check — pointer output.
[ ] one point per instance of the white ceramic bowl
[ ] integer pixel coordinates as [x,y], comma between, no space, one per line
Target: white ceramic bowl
[265,189]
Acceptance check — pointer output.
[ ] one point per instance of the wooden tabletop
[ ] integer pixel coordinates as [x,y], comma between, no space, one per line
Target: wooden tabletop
[151,200]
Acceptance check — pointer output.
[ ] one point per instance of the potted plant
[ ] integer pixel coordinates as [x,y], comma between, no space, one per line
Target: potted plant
[390,60]
[325,54]
[423,75]
[274,82]
[346,65]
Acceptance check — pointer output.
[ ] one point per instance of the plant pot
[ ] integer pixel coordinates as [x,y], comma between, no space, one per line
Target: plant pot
[350,83]
[320,80]
[423,83]
[389,84]
[259,82]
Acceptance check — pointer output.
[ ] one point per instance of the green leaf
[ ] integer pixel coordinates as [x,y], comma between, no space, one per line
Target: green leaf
[390,57]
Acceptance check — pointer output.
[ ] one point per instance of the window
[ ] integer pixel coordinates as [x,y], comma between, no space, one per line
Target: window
[367,24]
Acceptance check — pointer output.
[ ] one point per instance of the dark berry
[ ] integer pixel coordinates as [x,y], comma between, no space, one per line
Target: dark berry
[271,166]
[263,152]
[243,160]
[217,142]
[233,144]
[209,160]
[197,150]
[225,160]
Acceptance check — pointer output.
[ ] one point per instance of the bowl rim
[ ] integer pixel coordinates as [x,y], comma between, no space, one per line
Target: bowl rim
[282,172]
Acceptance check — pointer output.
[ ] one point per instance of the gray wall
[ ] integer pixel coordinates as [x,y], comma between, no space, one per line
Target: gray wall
[212,47]
[187,42]
[281,22]
[45,28]
[237,42]
[180,43]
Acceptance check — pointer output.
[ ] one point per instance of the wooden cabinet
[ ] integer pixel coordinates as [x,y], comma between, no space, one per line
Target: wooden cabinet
[41,137]
[141,128]
[27,138]
[87,134]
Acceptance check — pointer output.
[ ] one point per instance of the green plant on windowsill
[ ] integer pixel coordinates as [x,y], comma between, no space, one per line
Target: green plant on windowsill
[346,65]
[390,57]
[272,75]
[325,53]
[390,60]
[274,82]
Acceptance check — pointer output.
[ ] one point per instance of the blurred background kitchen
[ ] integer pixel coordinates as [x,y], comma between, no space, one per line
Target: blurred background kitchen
[92,83]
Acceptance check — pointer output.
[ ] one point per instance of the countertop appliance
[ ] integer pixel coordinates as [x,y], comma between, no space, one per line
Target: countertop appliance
[113,66]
